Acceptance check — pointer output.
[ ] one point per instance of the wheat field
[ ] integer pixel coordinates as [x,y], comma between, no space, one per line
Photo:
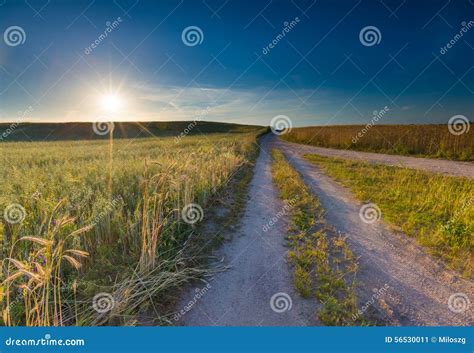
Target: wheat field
[423,140]
[89,217]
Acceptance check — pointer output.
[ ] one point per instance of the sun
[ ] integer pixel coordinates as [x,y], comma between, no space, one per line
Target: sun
[111,102]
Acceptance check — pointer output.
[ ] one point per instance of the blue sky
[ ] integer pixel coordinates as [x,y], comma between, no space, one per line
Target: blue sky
[318,73]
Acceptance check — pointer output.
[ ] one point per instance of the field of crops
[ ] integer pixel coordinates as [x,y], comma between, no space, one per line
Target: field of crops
[423,140]
[93,232]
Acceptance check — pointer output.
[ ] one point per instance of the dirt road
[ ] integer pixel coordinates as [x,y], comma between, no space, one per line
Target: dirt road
[441,166]
[258,288]
[419,287]
[412,288]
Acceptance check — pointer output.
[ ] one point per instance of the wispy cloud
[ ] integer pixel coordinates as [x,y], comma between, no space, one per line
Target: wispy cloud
[232,105]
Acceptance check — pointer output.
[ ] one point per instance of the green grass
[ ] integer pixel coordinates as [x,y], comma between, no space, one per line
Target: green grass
[324,266]
[436,210]
[133,242]
[417,140]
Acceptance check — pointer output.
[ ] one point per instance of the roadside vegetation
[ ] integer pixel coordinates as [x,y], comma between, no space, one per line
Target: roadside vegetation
[86,239]
[324,266]
[433,141]
[436,210]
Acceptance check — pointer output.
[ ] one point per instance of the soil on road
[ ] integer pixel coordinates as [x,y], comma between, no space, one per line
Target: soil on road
[398,282]
[441,166]
[419,287]
[257,289]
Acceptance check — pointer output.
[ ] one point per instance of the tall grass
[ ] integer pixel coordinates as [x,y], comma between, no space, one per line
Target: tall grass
[94,225]
[424,140]
[436,210]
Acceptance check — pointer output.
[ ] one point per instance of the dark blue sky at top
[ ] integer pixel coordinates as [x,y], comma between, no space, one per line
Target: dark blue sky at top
[319,73]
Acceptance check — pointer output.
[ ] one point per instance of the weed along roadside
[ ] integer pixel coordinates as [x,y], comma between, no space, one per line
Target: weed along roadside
[447,223]
[324,266]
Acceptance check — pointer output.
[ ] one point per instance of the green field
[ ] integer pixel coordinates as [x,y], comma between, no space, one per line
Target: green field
[89,217]
[436,210]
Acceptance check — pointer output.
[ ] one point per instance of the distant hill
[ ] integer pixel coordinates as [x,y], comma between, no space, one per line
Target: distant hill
[85,131]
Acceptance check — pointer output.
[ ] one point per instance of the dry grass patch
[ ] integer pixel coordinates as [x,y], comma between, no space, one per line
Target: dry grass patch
[418,140]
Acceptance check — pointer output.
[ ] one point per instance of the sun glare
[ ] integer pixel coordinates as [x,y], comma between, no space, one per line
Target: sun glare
[111,102]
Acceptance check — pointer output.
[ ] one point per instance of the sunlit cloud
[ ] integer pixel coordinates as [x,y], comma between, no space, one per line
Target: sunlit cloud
[221,104]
